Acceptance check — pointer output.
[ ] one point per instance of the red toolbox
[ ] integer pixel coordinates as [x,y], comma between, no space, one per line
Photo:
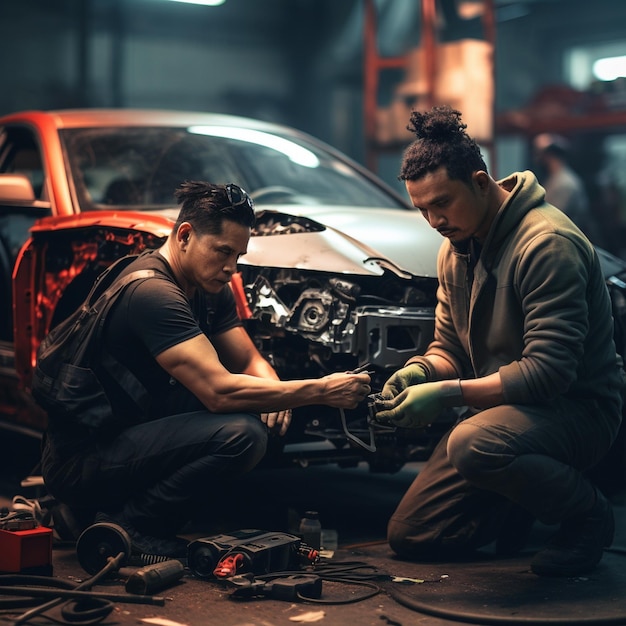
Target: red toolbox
[22,550]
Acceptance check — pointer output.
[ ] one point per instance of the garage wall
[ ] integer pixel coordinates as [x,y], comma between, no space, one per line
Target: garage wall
[37,55]
[293,61]
[530,48]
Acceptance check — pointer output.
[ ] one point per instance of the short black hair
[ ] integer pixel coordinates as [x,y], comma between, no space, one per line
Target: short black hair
[206,205]
[441,141]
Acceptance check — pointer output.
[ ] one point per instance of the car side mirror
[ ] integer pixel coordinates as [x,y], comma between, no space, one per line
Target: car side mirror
[16,188]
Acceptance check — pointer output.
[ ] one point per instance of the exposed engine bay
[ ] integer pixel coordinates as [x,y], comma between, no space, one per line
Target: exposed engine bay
[307,322]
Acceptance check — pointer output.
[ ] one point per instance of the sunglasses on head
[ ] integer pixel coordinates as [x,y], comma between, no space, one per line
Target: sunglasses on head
[237,196]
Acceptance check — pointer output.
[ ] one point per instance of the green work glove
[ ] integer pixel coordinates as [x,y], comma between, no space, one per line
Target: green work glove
[420,405]
[412,374]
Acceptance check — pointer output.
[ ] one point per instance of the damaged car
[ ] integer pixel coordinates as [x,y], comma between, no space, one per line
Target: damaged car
[340,270]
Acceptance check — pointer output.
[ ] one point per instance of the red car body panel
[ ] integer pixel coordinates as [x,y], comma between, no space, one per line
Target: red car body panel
[33,299]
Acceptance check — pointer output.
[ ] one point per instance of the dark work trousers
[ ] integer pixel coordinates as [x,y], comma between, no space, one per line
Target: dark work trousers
[495,462]
[157,474]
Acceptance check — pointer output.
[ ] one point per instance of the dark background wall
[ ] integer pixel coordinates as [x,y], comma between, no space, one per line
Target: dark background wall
[299,62]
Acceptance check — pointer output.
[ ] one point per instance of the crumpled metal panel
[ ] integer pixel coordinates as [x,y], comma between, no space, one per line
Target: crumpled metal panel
[327,251]
[400,239]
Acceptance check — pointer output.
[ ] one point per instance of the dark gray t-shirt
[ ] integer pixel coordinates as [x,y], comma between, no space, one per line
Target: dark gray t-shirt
[151,316]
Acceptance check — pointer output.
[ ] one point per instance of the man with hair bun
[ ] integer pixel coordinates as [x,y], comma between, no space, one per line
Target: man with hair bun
[524,342]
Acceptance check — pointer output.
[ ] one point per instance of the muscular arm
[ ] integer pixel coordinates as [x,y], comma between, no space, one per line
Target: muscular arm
[195,364]
[231,375]
[239,354]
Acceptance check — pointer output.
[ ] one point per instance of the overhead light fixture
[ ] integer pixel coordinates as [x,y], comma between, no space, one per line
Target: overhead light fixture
[610,68]
[206,3]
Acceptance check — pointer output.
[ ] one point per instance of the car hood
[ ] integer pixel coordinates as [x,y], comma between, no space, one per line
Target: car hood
[335,239]
[356,240]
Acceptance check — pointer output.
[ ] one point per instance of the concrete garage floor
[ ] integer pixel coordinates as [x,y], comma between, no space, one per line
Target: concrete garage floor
[357,504]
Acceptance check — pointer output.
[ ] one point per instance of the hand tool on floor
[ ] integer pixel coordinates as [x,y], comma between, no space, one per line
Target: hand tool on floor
[103,540]
[152,578]
[100,542]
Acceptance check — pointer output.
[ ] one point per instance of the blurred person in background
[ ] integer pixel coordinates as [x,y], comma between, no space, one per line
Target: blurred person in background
[564,187]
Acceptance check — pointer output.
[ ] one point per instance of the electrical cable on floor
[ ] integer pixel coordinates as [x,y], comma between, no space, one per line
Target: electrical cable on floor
[346,572]
[83,606]
[482,619]
[487,620]
[349,573]
[362,574]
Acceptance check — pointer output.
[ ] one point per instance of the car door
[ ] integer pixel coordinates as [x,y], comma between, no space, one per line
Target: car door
[23,200]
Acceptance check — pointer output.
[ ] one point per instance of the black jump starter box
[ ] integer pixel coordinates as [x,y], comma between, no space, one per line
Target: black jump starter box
[261,552]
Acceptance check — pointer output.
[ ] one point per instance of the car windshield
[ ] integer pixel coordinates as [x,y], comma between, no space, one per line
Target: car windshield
[138,168]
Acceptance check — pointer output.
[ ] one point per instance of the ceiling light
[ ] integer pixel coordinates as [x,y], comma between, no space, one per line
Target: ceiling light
[610,68]
[207,3]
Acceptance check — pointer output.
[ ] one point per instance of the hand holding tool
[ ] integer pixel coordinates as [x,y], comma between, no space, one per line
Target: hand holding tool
[412,374]
[362,369]
[419,405]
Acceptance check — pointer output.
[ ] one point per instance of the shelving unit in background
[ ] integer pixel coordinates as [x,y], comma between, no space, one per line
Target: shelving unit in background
[385,129]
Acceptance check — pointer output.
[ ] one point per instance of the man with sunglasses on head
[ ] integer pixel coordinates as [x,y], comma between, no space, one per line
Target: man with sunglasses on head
[213,397]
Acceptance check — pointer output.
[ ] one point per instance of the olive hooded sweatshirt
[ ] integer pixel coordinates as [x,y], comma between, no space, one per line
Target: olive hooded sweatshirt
[533,305]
